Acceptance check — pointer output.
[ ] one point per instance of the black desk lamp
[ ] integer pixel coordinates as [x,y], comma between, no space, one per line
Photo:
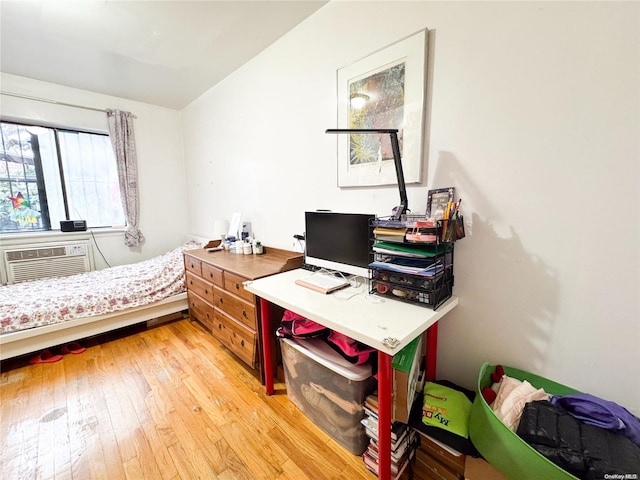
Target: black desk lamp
[393,133]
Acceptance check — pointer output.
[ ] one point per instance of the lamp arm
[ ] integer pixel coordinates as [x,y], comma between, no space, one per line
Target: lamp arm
[404,202]
[397,161]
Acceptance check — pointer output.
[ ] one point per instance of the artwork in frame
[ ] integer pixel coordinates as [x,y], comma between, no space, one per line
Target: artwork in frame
[437,200]
[383,90]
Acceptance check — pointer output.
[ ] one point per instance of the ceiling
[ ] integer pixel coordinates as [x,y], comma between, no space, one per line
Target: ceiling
[165,53]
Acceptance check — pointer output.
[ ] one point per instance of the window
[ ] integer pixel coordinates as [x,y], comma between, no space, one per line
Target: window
[52,174]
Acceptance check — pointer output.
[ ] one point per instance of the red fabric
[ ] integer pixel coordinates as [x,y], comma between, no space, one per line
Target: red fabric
[297,326]
[349,348]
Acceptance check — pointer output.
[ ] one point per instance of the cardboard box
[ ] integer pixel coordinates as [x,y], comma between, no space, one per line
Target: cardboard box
[407,378]
[443,453]
[480,469]
[427,467]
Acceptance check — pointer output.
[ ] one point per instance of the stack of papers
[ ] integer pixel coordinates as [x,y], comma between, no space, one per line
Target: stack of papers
[390,234]
[415,260]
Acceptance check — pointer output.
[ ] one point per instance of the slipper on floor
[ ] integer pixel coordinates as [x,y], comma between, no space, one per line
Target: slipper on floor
[73,347]
[45,356]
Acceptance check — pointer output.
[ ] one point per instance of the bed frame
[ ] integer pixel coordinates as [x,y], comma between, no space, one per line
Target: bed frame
[18,343]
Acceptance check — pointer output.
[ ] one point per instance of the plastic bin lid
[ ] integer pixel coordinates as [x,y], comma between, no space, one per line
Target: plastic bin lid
[319,351]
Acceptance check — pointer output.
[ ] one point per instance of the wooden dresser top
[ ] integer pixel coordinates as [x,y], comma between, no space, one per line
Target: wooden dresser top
[272,261]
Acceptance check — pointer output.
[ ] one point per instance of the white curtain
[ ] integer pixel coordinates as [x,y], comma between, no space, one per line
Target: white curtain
[124,146]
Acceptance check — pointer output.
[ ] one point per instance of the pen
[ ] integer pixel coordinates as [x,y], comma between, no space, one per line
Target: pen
[447,210]
[455,212]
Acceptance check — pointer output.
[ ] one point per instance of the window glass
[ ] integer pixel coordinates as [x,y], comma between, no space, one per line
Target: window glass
[20,186]
[91,178]
[48,175]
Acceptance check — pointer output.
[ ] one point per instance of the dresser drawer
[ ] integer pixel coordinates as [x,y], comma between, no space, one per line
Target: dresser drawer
[199,286]
[192,264]
[212,274]
[236,307]
[236,337]
[219,327]
[217,297]
[233,283]
[200,309]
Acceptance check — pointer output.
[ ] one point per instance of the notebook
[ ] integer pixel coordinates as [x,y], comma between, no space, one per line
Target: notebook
[322,283]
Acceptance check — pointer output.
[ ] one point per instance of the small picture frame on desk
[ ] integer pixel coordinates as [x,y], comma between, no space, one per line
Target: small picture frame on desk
[437,199]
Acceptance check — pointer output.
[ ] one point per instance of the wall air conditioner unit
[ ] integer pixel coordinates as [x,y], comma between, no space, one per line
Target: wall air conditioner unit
[32,262]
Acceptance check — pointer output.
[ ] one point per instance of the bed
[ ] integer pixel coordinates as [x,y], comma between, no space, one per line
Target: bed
[43,313]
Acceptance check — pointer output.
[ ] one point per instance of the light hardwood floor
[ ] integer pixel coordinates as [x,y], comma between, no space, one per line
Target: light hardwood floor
[166,403]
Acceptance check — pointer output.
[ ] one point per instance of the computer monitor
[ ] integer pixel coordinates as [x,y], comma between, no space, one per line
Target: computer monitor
[339,241]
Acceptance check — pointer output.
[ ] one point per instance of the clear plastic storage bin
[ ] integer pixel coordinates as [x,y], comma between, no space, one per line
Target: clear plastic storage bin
[328,389]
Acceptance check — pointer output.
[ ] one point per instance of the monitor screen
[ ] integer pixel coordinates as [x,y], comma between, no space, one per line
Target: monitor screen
[339,241]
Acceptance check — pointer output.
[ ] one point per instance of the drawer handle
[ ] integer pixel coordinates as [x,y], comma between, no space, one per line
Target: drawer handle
[237,286]
[244,314]
[221,301]
[190,282]
[206,291]
[219,326]
[242,343]
[193,265]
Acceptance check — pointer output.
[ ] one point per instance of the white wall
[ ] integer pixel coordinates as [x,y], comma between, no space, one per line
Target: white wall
[533,117]
[163,220]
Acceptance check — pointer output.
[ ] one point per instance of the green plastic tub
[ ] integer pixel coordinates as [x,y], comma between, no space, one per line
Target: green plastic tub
[499,445]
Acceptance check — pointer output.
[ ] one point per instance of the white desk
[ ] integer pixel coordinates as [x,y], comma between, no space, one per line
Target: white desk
[387,326]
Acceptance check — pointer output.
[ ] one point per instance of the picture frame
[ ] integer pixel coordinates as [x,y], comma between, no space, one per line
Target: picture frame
[235,225]
[437,199]
[390,86]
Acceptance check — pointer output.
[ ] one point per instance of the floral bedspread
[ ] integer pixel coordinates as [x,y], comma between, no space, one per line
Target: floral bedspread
[55,300]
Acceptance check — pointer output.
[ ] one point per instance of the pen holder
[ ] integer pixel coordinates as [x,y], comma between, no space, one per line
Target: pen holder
[452,230]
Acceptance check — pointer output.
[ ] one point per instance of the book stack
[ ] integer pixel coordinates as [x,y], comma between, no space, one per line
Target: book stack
[403,441]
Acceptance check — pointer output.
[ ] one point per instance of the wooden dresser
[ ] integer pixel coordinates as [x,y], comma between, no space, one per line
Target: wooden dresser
[218,300]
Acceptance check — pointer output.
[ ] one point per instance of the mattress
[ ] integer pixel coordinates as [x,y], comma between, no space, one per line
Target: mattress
[55,300]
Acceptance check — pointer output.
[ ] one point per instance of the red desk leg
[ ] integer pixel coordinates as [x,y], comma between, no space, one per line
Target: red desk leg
[432,352]
[265,322]
[385,402]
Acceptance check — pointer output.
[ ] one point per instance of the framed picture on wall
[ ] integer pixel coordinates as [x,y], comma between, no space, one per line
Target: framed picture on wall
[383,90]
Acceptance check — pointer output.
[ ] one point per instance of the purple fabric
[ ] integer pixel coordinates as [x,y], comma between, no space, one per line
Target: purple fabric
[600,413]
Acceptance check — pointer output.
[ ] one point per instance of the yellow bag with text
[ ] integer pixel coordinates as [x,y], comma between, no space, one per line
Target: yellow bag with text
[446,408]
